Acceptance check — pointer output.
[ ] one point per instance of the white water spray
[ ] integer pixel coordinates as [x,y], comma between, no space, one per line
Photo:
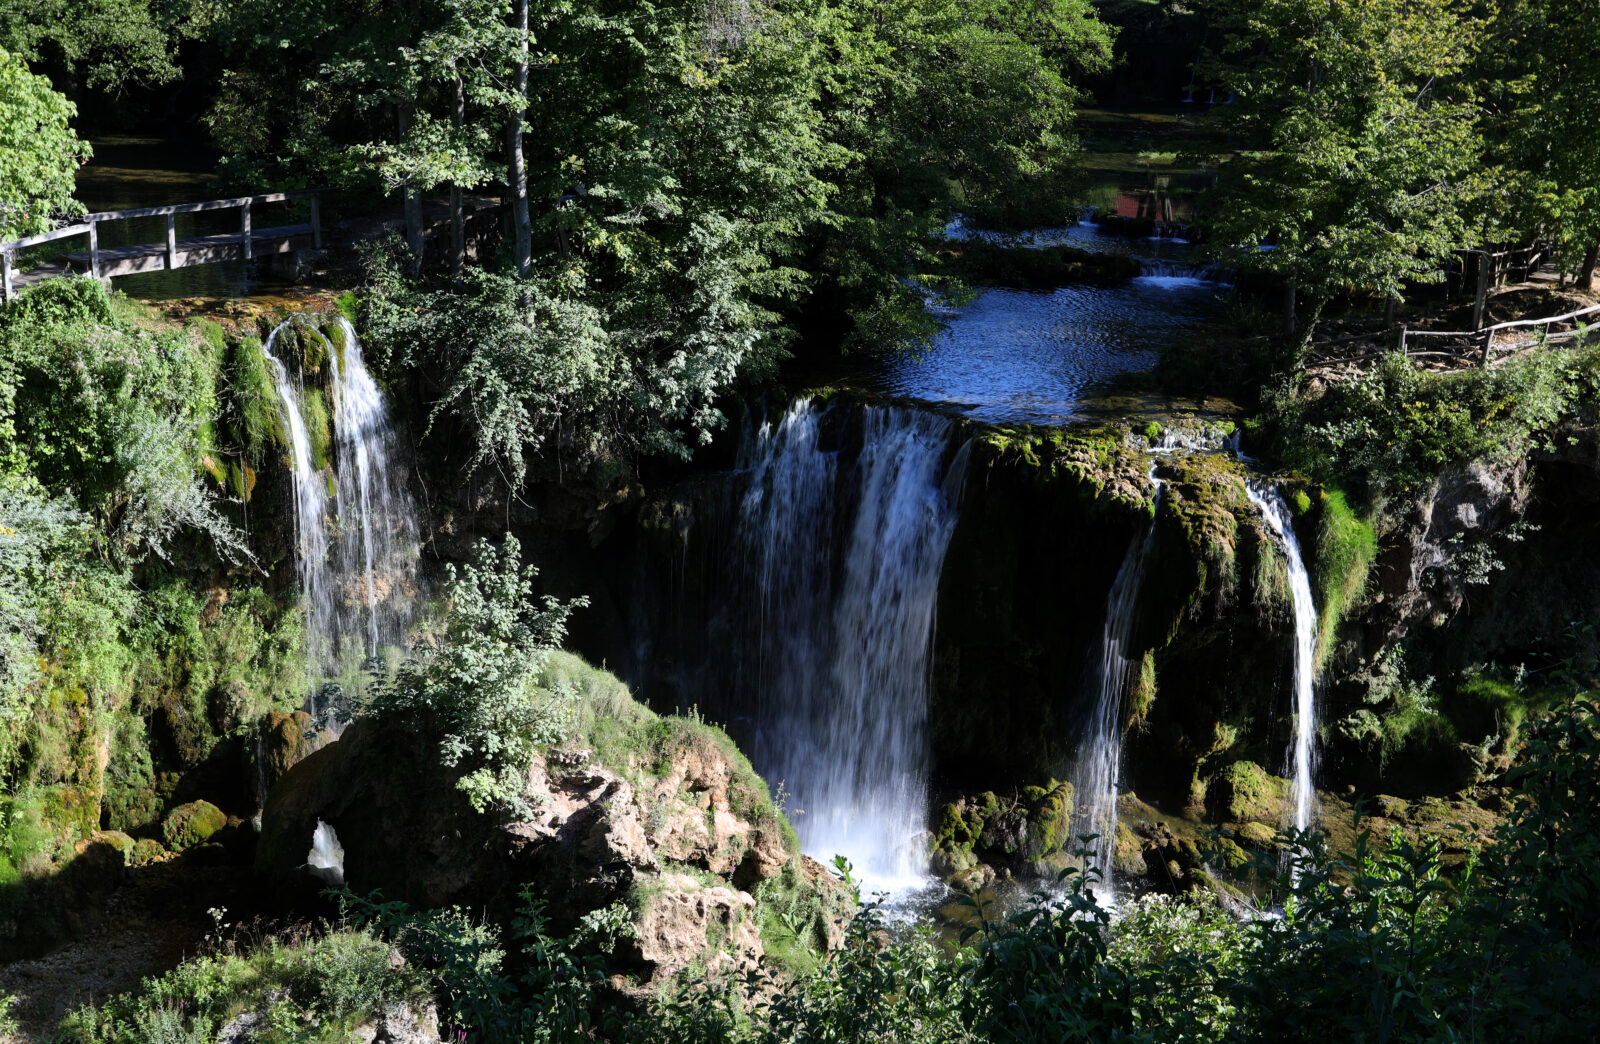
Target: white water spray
[355,524]
[845,557]
[1303,750]
[1100,754]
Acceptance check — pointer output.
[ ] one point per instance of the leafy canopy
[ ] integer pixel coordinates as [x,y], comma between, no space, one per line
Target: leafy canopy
[38,152]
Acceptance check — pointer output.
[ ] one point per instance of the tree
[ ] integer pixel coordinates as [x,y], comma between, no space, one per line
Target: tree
[38,152]
[1359,139]
[111,44]
[1543,88]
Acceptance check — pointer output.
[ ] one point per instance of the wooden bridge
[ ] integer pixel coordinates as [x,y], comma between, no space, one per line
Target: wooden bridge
[247,243]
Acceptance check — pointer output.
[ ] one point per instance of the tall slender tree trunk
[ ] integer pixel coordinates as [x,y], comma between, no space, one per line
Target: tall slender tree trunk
[1288,310]
[412,206]
[458,227]
[1591,258]
[519,170]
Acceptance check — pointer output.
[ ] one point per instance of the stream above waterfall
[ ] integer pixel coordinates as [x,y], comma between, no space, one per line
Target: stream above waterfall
[1046,356]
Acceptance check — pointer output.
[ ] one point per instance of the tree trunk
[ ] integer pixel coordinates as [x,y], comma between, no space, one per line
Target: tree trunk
[1389,309]
[413,204]
[1288,310]
[1591,257]
[519,170]
[458,228]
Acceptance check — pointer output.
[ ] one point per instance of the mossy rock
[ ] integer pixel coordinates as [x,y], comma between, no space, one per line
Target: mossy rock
[70,813]
[1049,820]
[1246,792]
[120,841]
[188,825]
[146,851]
[1258,835]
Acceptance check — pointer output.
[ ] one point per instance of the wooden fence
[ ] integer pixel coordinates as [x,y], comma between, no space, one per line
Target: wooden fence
[175,252]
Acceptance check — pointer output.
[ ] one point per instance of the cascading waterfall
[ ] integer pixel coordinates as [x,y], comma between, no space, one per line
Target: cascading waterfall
[844,560]
[1168,268]
[1100,754]
[356,530]
[1303,750]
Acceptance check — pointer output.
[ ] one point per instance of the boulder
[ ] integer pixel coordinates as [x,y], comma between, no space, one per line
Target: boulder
[682,834]
[1245,792]
[189,825]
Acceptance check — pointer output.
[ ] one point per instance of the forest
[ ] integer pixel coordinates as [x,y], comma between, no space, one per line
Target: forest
[799,520]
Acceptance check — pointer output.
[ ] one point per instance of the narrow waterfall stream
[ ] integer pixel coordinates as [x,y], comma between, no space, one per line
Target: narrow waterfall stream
[356,527]
[1100,754]
[1302,753]
[844,559]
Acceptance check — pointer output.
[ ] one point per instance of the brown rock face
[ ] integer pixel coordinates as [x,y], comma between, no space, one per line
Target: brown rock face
[671,841]
[686,923]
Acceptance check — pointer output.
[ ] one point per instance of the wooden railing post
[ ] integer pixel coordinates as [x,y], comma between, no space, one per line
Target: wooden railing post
[172,241]
[1402,338]
[1488,339]
[316,221]
[244,230]
[94,250]
[5,275]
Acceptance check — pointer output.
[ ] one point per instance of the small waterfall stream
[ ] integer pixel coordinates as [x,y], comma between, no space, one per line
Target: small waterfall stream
[355,525]
[1302,753]
[844,559]
[1100,754]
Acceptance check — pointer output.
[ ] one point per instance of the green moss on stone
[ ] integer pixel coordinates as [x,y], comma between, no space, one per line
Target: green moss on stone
[188,825]
[1244,791]
[1343,551]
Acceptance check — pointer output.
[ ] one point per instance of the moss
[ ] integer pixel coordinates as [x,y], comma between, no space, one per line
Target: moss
[1108,470]
[1244,791]
[1144,686]
[319,426]
[146,851]
[1343,551]
[1258,835]
[188,825]
[253,416]
[1152,432]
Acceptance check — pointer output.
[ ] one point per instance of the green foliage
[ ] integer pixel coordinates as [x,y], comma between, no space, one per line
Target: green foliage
[1395,427]
[517,986]
[313,989]
[111,413]
[1342,554]
[38,150]
[477,691]
[111,45]
[1359,134]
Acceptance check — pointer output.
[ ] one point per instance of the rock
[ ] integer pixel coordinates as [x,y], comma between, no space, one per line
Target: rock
[682,923]
[282,741]
[402,1025]
[146,851]
[1245,792]
[190,824]
[683,834]
[1258,835]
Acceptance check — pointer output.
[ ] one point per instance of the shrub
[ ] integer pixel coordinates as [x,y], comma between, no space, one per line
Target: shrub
[478,692]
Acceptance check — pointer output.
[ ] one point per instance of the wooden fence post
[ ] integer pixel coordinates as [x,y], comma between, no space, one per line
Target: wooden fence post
[244,231]
[1402,338]
[172,241]
[5,274]
[1482,298]
[94,250]
[1488,338]
[316,221]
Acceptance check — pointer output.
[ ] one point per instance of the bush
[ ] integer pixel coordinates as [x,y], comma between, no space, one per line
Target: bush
[477,692]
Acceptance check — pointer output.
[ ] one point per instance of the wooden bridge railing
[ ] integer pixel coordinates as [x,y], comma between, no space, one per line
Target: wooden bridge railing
[1487,334]
[176,251]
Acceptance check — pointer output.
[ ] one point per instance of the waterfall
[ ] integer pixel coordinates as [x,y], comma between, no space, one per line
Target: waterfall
[1158,268]
[1100,754]
[356,528]
[844,557]
[1302,752]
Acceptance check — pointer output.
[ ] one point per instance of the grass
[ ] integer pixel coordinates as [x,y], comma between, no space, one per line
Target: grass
[1345,546]
[306,987]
